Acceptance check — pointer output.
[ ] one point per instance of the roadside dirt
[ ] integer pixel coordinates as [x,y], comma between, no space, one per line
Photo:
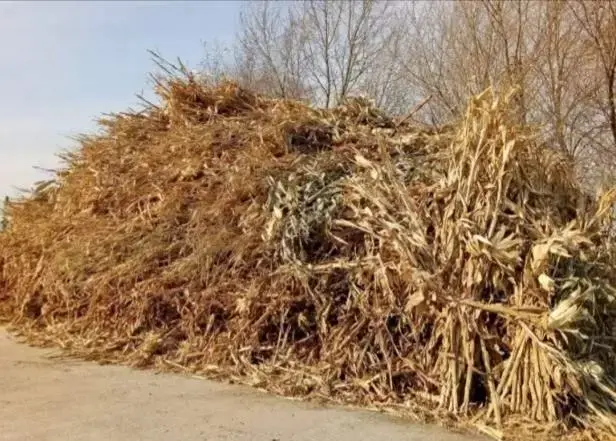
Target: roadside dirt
[47,399]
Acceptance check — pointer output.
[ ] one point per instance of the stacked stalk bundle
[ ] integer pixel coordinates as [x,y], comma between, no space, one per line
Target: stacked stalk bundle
[336,253]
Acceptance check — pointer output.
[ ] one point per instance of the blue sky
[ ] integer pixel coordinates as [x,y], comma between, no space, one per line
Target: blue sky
[62,64]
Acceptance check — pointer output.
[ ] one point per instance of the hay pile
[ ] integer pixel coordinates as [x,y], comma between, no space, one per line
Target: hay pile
[331,253]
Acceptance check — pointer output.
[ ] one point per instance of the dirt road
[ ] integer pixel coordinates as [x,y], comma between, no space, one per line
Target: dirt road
[43,399]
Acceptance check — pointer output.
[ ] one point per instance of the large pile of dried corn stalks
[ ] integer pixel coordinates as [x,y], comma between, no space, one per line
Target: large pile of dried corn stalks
[333,253]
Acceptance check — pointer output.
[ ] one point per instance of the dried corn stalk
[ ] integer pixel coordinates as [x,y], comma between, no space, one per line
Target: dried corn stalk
[360,261]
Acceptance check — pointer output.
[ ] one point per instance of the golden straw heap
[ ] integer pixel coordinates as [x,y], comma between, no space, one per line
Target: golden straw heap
[328,253]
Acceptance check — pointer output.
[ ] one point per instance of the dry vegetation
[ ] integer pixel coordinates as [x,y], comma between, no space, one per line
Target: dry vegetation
[561,56]
[334,253]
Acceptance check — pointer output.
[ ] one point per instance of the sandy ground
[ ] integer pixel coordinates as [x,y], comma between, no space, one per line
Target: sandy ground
[46,399]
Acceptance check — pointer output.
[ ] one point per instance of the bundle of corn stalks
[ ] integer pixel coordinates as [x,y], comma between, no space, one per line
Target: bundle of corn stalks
[328,253]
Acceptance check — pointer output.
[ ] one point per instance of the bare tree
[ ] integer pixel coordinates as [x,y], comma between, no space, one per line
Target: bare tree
[427,56]
[216,63]
[564,82]
[321,50]
[270,50]
[598,21]
[457,49]
[4,222]
[346,40]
